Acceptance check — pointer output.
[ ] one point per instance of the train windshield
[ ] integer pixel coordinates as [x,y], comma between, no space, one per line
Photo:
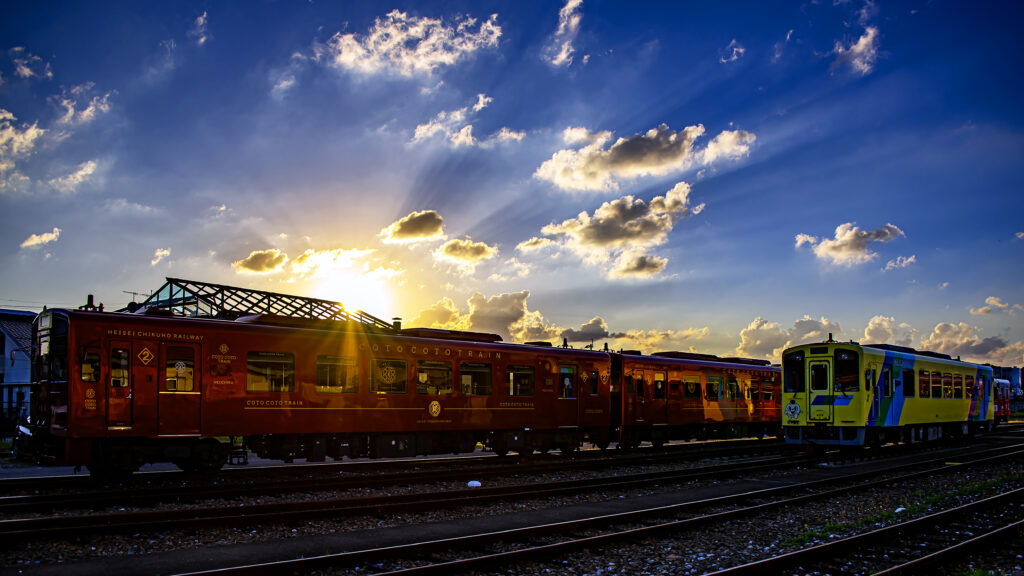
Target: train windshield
[793,372]
[50,349]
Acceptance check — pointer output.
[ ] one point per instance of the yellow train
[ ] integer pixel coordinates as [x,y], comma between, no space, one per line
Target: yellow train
[848,394]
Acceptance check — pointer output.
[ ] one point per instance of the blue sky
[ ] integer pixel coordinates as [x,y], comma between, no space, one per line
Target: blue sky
[729,178]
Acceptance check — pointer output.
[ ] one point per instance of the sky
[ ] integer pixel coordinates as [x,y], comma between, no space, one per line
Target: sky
[721,177]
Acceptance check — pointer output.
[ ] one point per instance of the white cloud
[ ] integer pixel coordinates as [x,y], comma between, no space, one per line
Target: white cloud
[159,255]
[885,330]
[37,240]
[659,151]
[861,55]
[559,49]
[767,340]
[408,45]
[964,341]
[68,184]
[283,81]
[69,100]
[465,254]
[261,262]
[454,126]
[900,262]
[994,303]
[27,65]
[733,52]
[421,226]
[199,29]
[850,245]
[16,144]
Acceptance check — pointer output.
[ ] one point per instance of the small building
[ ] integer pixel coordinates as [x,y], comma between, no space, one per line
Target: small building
[15,367]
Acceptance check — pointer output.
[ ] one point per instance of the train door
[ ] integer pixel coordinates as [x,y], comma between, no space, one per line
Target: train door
[119,386]
[820,395]
[568,395]
[640,400]
[179,389]
[657,405]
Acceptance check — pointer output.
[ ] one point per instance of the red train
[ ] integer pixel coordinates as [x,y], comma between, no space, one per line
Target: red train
[114,391]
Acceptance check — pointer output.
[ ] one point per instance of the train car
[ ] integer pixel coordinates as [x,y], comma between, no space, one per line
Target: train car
[847,394]
[1003,397]
[682,396]
[115,391]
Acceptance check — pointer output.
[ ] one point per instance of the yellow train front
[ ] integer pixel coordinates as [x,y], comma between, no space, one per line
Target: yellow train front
[848,394]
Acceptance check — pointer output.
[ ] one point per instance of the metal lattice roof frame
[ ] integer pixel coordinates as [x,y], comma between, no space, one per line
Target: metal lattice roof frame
[204,299]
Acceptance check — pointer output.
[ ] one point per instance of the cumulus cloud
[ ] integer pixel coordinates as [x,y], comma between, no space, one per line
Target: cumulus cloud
[885,330]
[964,341]
[512,268]
[320,263]
[900,262]
[595,330]
[731,53]
[859,56]
[994,303]
[660,151]
[620,231]
[69,183]
[465,253]
[650,341]
[27,65]
[408,45]
[421,226]
[454,126]
[16,144]
[159,255]
[441,314]
[505,314]
[261,262]
[850,245]
[559,49]
[535,243]
[37,240]
[767,340]
[199,29]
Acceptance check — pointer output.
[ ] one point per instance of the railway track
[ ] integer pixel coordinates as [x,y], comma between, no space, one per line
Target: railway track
[504,550]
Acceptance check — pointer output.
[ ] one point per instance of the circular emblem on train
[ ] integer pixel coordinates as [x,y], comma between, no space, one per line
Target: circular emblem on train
[583,377]
[388,374]
[604,377]
[180,367]
[223,348]
[434,408]
[145,356]
[90,393]
[691,388]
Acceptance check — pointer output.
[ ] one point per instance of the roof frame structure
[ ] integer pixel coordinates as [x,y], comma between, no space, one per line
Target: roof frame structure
[207,300]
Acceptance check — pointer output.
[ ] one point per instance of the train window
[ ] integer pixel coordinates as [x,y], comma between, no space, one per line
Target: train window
[179,369]
[659,385]
[886,382]
[847,370]
[958,386]
[767,390]
[595,377]
[476,379]
[924,384]
[337,374]
[630,387]
[691,386]
[936,384]
[91,367]
[819,376]
[389,377]
[714,387]
[732,388]
[793,372]
[270,372]
[969,386]
[119,373]
[908,384]
[566,381]
[520,381]
[434,378]
[947,385]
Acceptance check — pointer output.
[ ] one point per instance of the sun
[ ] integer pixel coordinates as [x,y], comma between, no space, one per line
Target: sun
[369,293]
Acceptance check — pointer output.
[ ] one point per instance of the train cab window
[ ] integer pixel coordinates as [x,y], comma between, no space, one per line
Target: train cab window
[475,379]
[908,383]
[91,367]
[270,372]
[793,372]
[520,381]
[691,387]
[887,382]
[958,386]
[566,381]
[847,377]
[969,386]
[595,378]
[732,388]
[659,385]
[389,377]
[924,384]
[947,385]
[337,374]
[936,384]
[179,369]
[434,378]
[819,377]
[119,373]
[714,387]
